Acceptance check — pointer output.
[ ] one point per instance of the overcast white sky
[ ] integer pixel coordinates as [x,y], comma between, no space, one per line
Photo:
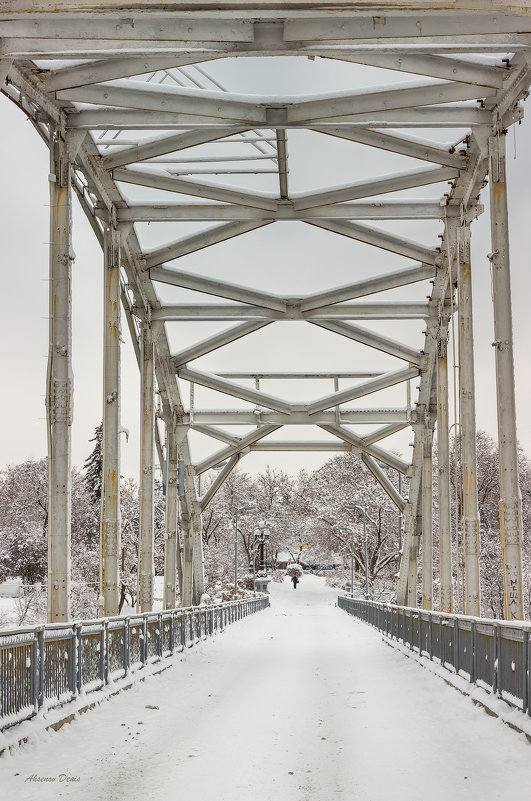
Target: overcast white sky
[291,258]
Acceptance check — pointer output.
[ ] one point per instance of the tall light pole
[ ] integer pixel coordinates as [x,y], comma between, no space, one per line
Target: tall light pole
[365,548]
[237,512]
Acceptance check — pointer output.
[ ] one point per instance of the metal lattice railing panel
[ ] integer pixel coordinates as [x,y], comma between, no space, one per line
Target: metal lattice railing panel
[50,665]
[494,655]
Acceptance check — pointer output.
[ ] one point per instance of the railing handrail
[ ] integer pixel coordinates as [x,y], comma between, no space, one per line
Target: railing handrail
[137,615]
[524,625]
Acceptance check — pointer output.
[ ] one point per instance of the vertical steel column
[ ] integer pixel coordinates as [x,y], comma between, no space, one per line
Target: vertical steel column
[170,543]
[443,453]
[511,532]
[59,384]
[110,492]
[413,562]
[146,567]
[427,520]
[467,412]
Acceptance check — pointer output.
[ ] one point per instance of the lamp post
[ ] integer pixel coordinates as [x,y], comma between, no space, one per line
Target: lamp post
[365,549]
[237,512]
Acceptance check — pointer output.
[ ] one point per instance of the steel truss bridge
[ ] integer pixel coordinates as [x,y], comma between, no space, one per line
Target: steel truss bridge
[123,99]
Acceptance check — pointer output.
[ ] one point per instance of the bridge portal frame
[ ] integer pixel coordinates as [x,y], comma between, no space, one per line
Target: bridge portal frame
[425,40]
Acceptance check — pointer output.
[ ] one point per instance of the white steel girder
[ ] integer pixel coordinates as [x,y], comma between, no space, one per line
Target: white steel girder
[116,96]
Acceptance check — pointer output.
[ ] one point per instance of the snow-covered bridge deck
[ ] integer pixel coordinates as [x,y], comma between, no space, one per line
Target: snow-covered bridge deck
[300,702]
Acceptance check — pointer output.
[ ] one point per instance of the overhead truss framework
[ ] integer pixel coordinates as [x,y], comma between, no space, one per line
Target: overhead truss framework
[126,102]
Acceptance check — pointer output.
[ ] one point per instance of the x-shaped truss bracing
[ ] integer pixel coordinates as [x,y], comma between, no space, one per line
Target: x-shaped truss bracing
[144,134]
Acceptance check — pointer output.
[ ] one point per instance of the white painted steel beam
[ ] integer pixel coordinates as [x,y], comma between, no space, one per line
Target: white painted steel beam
[171,543]
[372,101]
[112,68]
[450,69]
[59,391]
[110,490]
[378,186]
[212,381]
[372,465]
[446,602]
[467,411]
[372,340]
[141,28]
[360,446]
[215,433]
[351,311]
[405,146]
[369,286]
[511,528]
[447,116]
[204,239]
[282,155]
[389,379]
[146,568]
[155,97]
[226,453]
[222,289]
[357,27]
[161,147]
[210,212]
[384,432]
[379,239]
[214,342]
[427,521]
[218,482]
[251,417]
[194,188]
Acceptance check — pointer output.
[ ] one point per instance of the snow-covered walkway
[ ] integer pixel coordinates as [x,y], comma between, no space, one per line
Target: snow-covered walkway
[298,703]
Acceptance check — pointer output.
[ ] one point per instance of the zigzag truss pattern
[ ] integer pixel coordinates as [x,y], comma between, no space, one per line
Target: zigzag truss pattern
[130,113]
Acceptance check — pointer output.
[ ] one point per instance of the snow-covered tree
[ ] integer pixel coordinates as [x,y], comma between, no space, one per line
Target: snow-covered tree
[94,465]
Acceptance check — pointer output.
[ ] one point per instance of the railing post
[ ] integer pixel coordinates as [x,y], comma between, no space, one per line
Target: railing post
[160,636]
[474,637]
[497,642]
[183,629]
[73,663]
[127,645]
[102,652]
[431,637]
[525,671]
[456,646]
[35,673]
[172,632]
[144,649]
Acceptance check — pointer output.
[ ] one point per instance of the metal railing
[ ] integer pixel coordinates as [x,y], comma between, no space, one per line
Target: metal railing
[492,654]
[45,666]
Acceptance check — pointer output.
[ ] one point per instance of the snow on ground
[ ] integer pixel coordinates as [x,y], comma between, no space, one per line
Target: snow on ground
[298,703]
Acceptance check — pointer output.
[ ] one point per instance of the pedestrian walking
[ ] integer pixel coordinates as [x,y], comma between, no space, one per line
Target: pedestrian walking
[295,580]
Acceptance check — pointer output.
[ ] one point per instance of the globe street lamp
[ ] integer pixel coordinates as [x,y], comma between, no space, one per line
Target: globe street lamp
[239,509]
[362,508]
[261,536]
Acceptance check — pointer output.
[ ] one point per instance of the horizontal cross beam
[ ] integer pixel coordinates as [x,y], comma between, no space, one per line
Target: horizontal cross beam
[210,212]
[253,416]
[352,311]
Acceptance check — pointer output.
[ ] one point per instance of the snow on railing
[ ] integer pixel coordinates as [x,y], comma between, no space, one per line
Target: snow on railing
[491,654]
[44,666]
